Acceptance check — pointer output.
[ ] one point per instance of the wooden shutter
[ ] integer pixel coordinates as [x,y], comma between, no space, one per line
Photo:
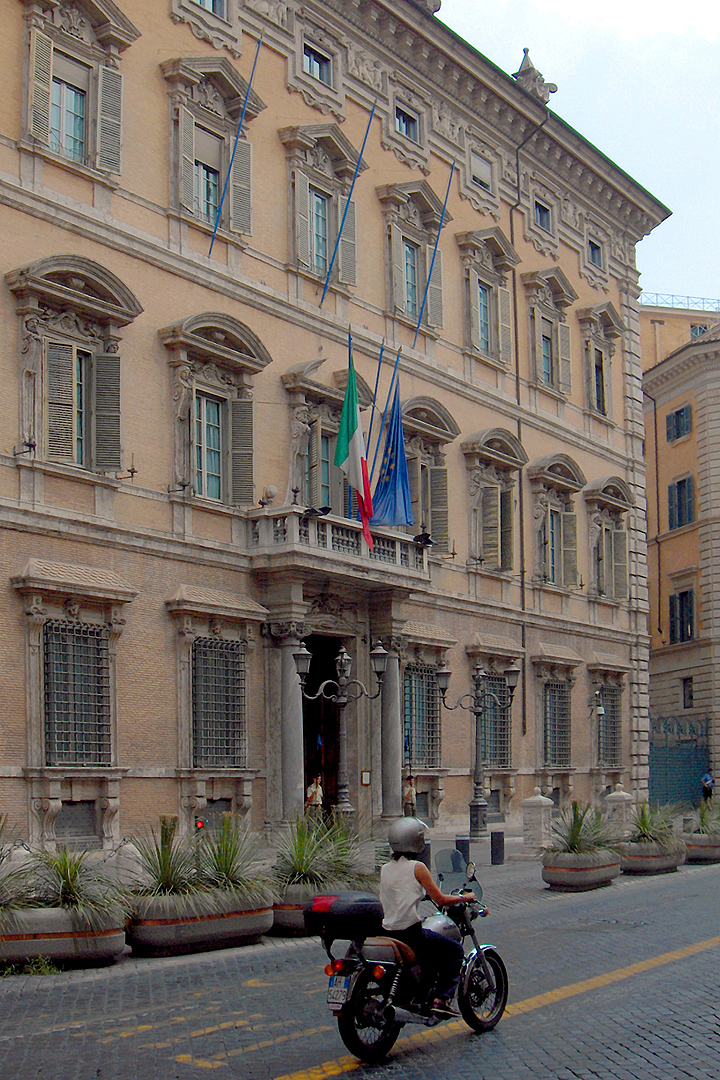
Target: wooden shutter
[187,160]
[110,120]
[439,524]
[302,218]
[537,329]
[397,254]
[620,564]
[60,402]
[672,507]
[434,312]
[690,494]
[474,287]
[476,549]
[41,58]
[413,464]
[347,252]
[670,427]
[564,358]
[673,619]
[107,455]
[241,189]
[504,326]
[687,419]
[569,549]
[313,467]
[506,529]
[490,527]
[241,451]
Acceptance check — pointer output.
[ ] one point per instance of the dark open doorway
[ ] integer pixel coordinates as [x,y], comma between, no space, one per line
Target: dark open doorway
[320,724]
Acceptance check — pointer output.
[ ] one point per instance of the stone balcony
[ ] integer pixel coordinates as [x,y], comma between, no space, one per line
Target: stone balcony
[286,538]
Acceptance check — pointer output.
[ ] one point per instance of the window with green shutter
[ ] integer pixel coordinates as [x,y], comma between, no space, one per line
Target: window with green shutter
[82,407]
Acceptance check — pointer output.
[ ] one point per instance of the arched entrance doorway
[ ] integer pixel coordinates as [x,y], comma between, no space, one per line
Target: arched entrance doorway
[320,718]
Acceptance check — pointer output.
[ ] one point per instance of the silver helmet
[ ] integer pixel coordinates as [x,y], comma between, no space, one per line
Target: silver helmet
[407,836]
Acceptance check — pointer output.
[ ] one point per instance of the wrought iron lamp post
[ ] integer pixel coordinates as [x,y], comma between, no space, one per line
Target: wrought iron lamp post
[475,703]
[339,691]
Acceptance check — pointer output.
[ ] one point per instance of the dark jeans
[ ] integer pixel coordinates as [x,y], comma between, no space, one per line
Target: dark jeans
[438,957]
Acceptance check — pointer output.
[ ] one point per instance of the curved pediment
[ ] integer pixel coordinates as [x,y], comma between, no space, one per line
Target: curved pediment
[427,417]
[559,471]
[496,445]
[218,338]
[74,282]
[610,491]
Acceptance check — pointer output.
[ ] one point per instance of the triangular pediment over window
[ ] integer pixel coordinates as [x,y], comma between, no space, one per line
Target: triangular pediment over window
[489,246]
[91,21]
[605,318]
[214,84]
[325,148]
[427,205]
[563,293]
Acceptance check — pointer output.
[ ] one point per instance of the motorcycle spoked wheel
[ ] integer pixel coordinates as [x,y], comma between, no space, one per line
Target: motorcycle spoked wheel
[362,1024]
[481,1007]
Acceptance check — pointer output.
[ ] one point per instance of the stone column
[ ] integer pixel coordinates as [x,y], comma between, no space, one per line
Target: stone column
[291,721]
[391,737]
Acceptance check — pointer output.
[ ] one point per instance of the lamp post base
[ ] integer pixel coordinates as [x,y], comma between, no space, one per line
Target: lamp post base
[478,819]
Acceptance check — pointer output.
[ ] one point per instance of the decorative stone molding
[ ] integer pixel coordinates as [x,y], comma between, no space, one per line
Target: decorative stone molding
[51,788]
[322,149]
[213,85]
[221,31]
[488,250]
[313,31]
[412,152]
[482,198]
[95,24]
[531,81]
[555,664]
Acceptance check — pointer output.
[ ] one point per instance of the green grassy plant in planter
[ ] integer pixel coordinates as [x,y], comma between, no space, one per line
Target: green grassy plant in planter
[652,847]
[315,856]
[197,893]
[702,834]
[581,854]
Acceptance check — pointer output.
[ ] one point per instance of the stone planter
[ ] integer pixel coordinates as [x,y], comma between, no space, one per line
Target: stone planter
[159,928]
[573,872]
[289,918]
[651,858]
[702,847]
[53,933]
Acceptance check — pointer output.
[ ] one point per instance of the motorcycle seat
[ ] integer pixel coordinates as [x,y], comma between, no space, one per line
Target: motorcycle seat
[389,948]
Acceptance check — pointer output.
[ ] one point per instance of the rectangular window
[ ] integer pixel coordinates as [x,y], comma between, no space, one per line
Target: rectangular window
[209,416]
[681,503]
[678,423]
[484,317]
[496,731]
[421,717]
[697,330]
[218,704]
[406,123]
[319,219]
[554,545]
[595,253]
[480,172]
[412,253]
[558,539]
[548,353]
[687,692]
[208,154]
[543,216]
[67,120]
[556,728]
[216,6]
[317,65]
[682,616]
[599,381]
[610,727]
[76,684]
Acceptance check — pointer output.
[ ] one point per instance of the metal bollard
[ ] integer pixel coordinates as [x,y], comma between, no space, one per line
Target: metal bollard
[462,844]
[497,848]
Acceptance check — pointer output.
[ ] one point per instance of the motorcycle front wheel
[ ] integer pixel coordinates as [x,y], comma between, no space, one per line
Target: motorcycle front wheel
[481,1007]
[362,1023]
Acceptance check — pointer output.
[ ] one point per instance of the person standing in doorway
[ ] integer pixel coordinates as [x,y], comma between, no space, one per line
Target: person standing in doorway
[313,802]
[409,798]
[708,783]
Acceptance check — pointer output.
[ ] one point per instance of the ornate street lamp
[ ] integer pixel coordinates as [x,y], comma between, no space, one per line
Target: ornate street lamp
[475,703]
[338,691]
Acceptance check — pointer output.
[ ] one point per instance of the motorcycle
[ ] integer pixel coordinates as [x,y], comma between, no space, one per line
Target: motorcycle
[376,988]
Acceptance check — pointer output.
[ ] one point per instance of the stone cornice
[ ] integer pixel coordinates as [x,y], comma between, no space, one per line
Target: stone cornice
[680,365]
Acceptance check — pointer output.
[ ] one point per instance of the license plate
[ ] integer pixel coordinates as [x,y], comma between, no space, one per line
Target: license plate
[338,989]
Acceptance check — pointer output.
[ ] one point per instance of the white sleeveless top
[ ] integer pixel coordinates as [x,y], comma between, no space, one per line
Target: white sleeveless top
[400,894]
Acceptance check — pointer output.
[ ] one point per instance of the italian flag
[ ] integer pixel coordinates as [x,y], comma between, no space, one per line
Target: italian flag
[350,455]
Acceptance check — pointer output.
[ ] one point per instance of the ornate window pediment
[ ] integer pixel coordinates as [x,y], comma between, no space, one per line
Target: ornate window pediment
[556,471]
[215,338]
[554,480]
[550,288]
[496,447]
[492,457]
[413,203]
[489,250]
[213,84]
[324,149]
[611,493]
[73,283]
[98,23]
[427,419]
[601,320]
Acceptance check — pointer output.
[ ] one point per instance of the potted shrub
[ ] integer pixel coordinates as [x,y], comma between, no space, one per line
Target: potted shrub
[702,838]
[62,906]
[581,853]
[652,846]
[314,856]
[197,893]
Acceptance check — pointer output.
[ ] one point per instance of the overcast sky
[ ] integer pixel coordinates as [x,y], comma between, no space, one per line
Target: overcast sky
[640,79]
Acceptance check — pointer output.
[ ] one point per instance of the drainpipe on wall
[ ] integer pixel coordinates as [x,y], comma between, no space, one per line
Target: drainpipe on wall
[656,537]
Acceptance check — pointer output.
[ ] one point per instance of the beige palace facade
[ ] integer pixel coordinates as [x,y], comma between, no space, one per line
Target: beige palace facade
[172,523]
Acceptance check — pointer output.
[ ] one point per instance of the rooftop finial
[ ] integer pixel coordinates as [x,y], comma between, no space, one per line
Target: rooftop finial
[530,79]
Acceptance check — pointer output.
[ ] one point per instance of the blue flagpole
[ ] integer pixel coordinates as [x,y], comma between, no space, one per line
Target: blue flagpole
[347,206]
[374,406]
[432,261]
[387,405]
[237,138]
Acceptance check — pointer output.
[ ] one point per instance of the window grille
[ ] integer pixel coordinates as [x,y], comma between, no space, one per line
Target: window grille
[556,734]
[609,728]
[219,704]
[421,717]
[496,723]
[77,693]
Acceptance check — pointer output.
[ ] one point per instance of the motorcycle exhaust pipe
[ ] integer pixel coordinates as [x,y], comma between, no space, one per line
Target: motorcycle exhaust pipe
[402,1016]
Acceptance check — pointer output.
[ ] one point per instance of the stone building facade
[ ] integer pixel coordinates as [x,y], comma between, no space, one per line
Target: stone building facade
[172,524]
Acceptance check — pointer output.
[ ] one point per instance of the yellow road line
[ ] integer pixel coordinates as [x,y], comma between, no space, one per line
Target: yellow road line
[222,1059]
[347,1064]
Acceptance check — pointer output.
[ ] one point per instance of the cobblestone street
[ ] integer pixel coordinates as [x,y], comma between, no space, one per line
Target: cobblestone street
[611,984]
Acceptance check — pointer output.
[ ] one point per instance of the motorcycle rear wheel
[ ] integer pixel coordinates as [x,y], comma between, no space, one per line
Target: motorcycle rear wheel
[362,1024]
[481,1007]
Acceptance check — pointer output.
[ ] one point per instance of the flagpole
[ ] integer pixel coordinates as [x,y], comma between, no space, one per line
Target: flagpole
[347,206]
[387,404]
[434,254]
[237,138]
[374,406]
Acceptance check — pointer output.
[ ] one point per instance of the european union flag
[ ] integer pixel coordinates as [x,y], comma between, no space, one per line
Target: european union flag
[392,504]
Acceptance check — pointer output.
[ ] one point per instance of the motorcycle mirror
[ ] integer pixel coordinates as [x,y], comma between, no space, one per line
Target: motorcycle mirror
[470,871]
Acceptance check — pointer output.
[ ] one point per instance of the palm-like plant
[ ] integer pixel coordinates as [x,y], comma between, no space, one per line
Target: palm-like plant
[169,870]
[580,829]
[66,879]
[14,885]
[228,858]
[705,820]
[318,854]
[653,825]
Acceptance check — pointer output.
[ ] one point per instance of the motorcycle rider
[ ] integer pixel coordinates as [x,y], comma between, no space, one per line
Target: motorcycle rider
[404,883]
